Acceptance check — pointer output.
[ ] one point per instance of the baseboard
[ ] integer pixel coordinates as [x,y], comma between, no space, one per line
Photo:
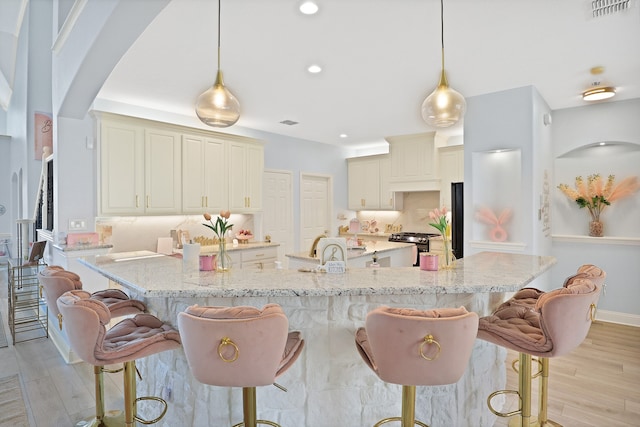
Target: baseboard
[617,317]
[61,344]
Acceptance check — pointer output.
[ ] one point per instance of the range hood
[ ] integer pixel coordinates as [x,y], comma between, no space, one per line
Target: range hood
[411,186]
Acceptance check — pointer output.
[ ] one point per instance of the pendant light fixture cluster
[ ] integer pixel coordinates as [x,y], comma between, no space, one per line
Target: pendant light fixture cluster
[217,106]
[445,106]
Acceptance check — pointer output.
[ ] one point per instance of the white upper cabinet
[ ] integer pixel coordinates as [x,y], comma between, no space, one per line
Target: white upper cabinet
[163,172]
[121,181]
[246,166]
[369,184]
[152,168]
[413,163]
[451,169]
[204,175]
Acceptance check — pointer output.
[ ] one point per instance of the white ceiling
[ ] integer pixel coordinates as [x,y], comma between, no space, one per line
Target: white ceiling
[380,59]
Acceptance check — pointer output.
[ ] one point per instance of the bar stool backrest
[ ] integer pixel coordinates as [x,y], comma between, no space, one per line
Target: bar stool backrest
[55,281]
[84,320]
[398,340]
[235,346]
[566,314]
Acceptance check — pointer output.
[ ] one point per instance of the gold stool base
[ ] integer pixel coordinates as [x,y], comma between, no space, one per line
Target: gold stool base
[517,422]
[110,419]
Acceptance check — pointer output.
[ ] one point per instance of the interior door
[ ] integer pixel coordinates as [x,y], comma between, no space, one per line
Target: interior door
[315,208]
[278,211]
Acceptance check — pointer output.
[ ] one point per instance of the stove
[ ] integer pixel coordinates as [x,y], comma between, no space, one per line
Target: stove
[421,240]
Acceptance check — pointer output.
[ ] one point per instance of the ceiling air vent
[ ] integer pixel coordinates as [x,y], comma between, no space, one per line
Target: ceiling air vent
[289,122]
[608,7]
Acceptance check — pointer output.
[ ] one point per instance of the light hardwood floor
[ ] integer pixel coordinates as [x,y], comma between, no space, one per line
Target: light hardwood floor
[598,384]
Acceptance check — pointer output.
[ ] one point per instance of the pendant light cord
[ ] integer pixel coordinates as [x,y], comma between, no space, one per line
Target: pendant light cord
[441,29]
[219,35]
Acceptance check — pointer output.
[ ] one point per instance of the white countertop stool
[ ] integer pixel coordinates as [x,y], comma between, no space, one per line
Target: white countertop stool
[417,348]
[239,347]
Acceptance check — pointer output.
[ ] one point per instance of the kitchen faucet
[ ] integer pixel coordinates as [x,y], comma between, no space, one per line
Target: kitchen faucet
[314,246]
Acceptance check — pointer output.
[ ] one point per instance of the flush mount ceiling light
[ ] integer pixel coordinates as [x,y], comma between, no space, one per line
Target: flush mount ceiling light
[308,8]
[597,92]
[445,106]
[217,106]
[314,69]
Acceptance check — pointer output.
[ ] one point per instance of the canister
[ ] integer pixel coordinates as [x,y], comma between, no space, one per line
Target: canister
[428,262]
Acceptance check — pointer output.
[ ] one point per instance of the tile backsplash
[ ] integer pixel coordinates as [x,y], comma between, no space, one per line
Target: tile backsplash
[414,216]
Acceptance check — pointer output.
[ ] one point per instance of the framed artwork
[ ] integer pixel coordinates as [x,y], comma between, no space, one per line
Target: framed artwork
[43,133]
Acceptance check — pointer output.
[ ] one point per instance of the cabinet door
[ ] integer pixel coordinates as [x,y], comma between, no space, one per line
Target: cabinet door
[121,169]
[364,184]
[413,163]
[204,177]
[193,171]
[162,172]
[388,199]
[451,165]
[246,166]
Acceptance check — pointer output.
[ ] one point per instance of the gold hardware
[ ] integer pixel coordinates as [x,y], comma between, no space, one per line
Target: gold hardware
[60,320]
[137,201]
[261,265]
[225,342]
[592,312]
[147,202]
[40,291]
[131,400]
[206,201]
[249,410]
[202,205]
[248,202]
[428,339]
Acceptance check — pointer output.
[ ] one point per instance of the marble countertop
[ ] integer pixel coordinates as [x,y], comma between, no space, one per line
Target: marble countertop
[164,276]
[371,246]
[83,247]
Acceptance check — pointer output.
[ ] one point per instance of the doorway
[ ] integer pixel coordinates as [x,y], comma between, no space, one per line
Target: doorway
[278,211]
[316,196]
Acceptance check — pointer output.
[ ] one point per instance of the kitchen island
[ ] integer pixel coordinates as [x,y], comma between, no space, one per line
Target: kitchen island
[327,309]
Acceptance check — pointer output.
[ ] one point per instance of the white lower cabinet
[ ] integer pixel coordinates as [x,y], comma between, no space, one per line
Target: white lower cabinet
[260,258]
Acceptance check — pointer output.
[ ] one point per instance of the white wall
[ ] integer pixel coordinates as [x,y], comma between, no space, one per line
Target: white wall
[620,258]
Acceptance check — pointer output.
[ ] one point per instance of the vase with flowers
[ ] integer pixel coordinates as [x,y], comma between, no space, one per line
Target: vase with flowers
[596,195]
[443,225]
[220,228]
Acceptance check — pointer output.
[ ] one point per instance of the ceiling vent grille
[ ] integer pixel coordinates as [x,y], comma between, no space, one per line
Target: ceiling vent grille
[289,122]
[608,7]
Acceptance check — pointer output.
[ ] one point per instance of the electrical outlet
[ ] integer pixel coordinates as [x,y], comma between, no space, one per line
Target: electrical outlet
[77,224]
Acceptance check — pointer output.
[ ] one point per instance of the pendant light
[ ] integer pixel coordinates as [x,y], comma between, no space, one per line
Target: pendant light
[217,106]
[597,92]
[445,106]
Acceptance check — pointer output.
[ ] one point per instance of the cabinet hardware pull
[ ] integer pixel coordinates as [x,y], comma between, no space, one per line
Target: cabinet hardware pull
[137,201]
[248,202]
[206,201]
[147,202]
[202,201]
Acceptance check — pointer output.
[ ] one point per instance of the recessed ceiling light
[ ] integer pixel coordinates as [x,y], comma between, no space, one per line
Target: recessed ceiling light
[314,69]
[603,143]
[343,135]
[308,8]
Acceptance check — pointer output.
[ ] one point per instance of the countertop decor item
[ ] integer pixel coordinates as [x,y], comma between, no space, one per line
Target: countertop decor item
[220,228]
[443,225]
[596,195]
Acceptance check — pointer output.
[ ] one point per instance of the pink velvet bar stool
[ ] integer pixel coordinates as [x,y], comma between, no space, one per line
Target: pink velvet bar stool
[55,281]
[239,347]
[85,320]
[545,325]
[417,348]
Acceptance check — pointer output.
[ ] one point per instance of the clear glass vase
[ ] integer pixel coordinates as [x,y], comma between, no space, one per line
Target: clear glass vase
[596,228]
[447,260]
[223,259]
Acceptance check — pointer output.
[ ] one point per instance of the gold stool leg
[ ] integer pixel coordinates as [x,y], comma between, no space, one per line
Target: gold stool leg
[408,405]
[249,410]
[99,385]
[130,411]
[544,396]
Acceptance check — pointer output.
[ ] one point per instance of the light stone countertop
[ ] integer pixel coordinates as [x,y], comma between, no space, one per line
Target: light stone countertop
[163,276]
[212,249]
[370,247]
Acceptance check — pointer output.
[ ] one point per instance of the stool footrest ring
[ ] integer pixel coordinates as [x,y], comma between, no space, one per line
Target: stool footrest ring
[388,420]
[269,423]
[157,399]
[504,414]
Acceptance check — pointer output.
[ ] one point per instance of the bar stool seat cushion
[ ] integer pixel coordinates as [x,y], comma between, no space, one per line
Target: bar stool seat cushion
[119,302]
[543,329]
[391,344]
[130,339]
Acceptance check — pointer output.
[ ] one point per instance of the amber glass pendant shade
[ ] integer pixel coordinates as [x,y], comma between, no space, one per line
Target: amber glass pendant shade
[445,106]
[217,106]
